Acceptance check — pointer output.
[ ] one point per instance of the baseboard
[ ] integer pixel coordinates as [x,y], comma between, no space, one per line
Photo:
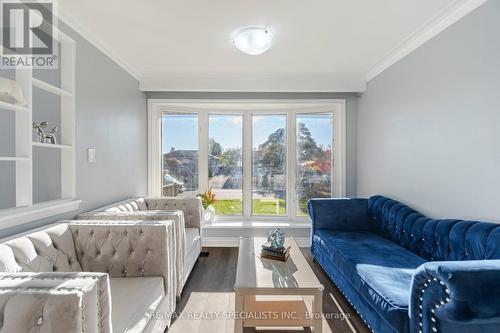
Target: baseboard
[235,241]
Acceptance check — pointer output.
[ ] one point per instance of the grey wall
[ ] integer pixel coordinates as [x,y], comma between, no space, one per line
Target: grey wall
[111,117]
[351,111]
[429,126]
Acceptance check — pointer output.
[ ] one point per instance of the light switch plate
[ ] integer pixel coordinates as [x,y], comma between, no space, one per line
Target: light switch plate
[91,155]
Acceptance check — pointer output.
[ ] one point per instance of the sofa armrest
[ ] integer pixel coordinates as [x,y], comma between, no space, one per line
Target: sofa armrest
[127,249]
[340,214]
[191,207]
[55,302]
[456,296]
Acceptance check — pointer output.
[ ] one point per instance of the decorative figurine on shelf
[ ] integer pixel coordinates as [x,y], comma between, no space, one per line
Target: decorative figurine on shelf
[11,92]
[45,137]
[277,238]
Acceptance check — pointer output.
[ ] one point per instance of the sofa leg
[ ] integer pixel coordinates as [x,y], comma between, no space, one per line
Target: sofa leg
[314,259]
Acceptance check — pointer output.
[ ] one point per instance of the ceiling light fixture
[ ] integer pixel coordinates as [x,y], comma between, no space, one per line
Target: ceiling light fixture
[253,40]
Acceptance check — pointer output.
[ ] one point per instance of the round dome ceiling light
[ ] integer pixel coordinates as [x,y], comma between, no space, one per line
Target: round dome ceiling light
[253,40]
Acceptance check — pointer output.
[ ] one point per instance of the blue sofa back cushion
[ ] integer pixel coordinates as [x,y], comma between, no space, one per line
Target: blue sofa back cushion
[347,214]
[434,240]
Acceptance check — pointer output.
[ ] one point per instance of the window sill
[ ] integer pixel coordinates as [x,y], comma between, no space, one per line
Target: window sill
[257,224]
[20,215]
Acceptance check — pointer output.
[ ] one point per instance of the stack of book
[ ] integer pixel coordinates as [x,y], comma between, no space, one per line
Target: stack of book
[269,252]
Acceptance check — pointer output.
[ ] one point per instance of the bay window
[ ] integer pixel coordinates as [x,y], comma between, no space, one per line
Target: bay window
[269,157]
[179,159]
[314,158]
[263,160]
[225,162]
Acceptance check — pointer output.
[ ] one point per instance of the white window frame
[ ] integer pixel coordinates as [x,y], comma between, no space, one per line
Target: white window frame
[247,108]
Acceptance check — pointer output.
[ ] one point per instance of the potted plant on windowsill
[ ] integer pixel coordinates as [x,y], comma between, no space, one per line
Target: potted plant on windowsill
[207,201]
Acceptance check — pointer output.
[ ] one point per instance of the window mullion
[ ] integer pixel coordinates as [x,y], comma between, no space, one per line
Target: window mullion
[291,153]
[247,165]
[203,153]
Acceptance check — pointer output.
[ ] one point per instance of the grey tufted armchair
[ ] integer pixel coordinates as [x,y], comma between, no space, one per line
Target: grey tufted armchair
[89,277]
[186,214]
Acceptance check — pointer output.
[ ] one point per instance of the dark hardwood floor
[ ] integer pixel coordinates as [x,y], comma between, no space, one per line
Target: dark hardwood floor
[208,298]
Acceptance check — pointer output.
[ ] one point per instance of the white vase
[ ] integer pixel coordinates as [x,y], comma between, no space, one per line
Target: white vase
[209,214]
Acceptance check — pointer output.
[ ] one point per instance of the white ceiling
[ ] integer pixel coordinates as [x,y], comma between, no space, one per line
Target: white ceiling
[186,45]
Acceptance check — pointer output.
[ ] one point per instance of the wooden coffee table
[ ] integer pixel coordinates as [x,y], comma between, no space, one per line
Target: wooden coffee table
[271,293]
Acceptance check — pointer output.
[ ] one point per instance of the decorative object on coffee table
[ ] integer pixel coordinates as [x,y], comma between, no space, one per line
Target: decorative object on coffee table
[270,252]
[276,238]
[45,137]
[207,201]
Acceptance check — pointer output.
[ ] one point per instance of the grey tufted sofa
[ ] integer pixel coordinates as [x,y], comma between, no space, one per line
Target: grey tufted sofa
[186,214]
[89,277]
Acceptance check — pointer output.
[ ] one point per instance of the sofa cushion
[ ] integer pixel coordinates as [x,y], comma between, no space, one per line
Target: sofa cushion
[133,302]
[379,269]
[50,250]
[431,239]
[190,206]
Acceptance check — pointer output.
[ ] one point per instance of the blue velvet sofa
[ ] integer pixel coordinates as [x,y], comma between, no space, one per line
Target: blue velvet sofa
[404,272]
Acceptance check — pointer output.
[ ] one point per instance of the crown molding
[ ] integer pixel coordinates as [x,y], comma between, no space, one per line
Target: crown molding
[254,82]
[429,30]
[70,21]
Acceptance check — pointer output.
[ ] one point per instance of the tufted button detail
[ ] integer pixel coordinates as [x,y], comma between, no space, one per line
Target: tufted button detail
[148,251]
[39,321]
[92,234]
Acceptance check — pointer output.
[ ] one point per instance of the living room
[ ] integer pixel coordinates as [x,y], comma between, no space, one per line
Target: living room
[250,167]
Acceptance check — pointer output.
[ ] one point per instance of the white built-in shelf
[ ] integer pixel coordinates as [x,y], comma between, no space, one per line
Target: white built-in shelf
[16,216]
[51,88]
[14,159]
[12,107]
[50,145]
[25,209]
